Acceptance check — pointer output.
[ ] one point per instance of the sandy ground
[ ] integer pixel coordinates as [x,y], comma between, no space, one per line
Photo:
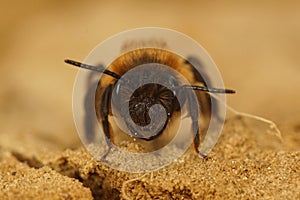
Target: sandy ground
[255,47]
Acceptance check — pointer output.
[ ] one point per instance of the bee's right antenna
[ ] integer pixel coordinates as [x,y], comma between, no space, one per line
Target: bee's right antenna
[93,68]
[212,90]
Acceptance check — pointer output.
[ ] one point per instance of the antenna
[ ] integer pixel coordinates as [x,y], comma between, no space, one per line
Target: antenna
[212,90]
[93,68]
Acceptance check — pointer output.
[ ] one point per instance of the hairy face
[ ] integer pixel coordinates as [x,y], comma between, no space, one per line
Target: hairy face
[150,105]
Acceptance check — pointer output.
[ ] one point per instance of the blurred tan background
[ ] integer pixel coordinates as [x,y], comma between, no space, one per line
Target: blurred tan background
[255,45]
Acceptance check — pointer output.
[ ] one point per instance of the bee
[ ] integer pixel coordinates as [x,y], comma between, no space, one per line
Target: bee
[141,121]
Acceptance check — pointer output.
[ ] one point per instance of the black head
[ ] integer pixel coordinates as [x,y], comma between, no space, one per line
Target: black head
[146,99]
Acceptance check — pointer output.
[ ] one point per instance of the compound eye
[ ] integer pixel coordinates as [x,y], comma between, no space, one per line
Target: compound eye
[118,85]
[173,83]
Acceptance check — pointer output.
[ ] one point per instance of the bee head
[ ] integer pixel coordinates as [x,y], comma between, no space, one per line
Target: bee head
[146,101]
[150,107]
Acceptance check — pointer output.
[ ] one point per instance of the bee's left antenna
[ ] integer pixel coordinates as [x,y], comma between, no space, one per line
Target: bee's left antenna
[93,68]
[212,90]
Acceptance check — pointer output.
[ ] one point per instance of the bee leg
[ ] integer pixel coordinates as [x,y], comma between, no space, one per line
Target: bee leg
[196,141]
[194,113]
[104,112]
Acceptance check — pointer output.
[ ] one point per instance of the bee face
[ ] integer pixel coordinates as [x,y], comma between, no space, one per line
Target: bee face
[149,92]
[144,97]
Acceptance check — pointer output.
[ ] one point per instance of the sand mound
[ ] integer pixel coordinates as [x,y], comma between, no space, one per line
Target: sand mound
[239,167]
